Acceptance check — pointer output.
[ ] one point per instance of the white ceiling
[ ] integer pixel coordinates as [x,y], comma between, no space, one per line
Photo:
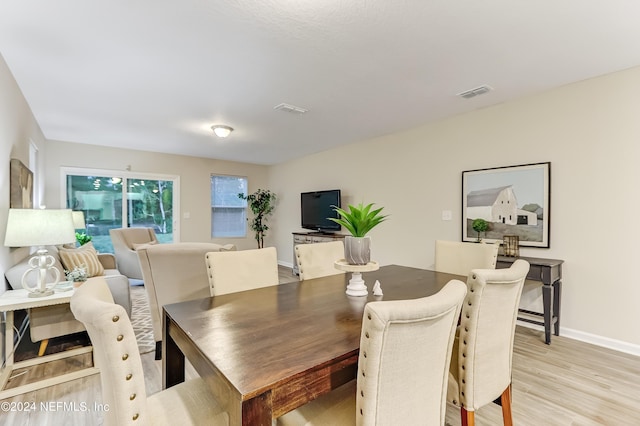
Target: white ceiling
[156,74]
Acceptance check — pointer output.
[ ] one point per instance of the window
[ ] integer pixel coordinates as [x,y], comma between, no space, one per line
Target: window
[117,199]
[228,211]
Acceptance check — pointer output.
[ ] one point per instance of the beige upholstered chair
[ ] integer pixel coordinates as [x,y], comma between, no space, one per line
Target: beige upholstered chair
[230,272]
[455,257]
[316,260]
[405,350]
[174,273]
[480,369]
[123,388]
[125,242]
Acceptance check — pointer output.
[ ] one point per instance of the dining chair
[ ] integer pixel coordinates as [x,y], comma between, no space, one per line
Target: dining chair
[480,369]
[316,260]
[459,258]
[172,273]
[234,271]
[121,375]
[405,350]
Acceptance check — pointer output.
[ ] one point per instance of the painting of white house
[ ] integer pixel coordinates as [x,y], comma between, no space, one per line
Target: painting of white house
[513,200]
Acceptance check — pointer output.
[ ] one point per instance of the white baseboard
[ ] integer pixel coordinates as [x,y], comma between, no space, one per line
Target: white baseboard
[605,342]
[285,264]
[594,339]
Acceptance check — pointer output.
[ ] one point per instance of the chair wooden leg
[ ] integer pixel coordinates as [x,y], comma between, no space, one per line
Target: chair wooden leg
[43,347]
[505,399]
[467,417]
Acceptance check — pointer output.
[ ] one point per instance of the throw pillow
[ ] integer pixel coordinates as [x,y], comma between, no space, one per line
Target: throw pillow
[85,256]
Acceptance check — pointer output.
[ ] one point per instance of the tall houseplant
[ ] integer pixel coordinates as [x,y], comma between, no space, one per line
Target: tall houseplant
[358,221]
[261,203]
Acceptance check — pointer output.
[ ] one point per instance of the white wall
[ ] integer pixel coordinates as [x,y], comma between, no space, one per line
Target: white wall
[195,187]
[18,128]
[590,132]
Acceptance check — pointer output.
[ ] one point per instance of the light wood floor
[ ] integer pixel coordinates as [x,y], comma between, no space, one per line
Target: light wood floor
[565,383]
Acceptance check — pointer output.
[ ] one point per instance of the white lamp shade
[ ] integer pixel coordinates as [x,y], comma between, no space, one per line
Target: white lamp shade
[78,220]
[31,227]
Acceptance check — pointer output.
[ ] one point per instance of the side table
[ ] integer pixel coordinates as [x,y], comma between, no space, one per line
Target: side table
[549,273]
[13,300]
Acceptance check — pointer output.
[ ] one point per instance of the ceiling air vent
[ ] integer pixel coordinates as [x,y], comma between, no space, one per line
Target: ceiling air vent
[481,90]
[290,108]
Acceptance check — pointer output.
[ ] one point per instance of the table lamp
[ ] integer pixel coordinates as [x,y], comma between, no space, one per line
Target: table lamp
[31,227]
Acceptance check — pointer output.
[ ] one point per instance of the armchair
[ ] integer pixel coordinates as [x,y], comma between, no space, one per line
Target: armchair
[125,242]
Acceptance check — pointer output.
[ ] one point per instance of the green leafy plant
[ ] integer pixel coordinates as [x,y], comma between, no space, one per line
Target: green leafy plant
[480,225]
[261,203]
[82,238]
[359,220]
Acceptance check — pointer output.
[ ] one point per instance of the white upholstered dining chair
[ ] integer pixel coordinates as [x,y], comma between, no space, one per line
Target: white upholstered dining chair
[405,350]
[456,257]
[316,260]
[234,271]
[123,387]
[480,369]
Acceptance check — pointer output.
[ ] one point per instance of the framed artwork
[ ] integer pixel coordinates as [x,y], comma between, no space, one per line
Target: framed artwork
[512,200]
[21,182]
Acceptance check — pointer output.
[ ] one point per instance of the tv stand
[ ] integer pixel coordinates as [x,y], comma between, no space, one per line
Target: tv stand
[310,237]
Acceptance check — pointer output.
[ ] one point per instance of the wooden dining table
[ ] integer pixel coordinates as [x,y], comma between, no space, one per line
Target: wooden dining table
[267,351]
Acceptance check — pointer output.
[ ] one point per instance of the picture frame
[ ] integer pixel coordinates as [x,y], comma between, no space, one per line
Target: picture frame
[513,200]
[21,185]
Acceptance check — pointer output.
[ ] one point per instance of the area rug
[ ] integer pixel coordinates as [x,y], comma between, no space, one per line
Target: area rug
[141,319]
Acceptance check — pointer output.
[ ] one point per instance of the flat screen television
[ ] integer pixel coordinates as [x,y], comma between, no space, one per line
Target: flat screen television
[316,207]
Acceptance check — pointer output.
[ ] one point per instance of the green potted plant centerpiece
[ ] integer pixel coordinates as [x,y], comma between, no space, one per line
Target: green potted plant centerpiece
[261,203]
[358,221]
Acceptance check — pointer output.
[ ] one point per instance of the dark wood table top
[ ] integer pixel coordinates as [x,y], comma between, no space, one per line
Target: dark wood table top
[261,339]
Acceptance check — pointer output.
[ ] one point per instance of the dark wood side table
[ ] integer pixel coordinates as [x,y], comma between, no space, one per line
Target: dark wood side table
[549,273]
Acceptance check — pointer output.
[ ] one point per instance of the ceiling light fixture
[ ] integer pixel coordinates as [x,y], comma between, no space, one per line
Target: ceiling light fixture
[221,130]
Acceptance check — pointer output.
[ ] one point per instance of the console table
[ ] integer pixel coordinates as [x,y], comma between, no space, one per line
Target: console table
[549,273]
[310,238]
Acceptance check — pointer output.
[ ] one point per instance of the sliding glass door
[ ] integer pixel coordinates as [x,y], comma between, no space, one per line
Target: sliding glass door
[120,201]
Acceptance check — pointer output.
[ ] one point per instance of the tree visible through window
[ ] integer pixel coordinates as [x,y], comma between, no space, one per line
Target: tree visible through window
[228,211]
